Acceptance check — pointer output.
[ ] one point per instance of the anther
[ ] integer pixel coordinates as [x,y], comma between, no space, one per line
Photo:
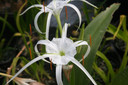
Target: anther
[83,60]
[51,64]
[30,29]
[44,6]
[30,53]
[66,13]
[90,40]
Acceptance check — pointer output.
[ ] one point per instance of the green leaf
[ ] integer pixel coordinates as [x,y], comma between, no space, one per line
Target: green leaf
[14,63]
[100,72]
[106,77]
[19,26]
[12,29]
[4,25]
[121,78]
[109,65]
[96,29]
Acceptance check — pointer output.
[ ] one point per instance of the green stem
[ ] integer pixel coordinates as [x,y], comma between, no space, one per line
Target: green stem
[124,23]
[59,23]
[86,13]
[119,26]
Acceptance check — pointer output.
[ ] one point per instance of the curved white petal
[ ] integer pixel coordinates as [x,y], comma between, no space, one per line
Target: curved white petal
[78,43]
[59,74]
[50,57]
[36,20]
[77,11]
[81,43]
[46,43]
[36,5]
[64,33]
[73,60]
[28,64]
[87,3]
[48,24]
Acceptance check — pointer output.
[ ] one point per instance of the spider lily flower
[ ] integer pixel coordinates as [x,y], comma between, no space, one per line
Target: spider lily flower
[54,8]
[60,51]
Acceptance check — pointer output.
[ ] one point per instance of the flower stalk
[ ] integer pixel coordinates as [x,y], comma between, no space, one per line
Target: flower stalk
[59,24]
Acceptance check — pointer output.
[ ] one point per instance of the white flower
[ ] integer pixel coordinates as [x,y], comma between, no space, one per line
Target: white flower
[60,51]
[54,8]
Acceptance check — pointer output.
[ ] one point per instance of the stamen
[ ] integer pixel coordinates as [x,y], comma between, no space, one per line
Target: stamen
[83,60]
[90,40]
[30,53]
[66,13]
[30,29]
[44,6]
[51,64]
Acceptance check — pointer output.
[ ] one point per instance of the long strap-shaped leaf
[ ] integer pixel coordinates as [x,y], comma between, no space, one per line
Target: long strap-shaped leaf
[96,30]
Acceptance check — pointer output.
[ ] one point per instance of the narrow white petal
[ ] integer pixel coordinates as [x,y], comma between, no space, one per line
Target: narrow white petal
[83,43]
[77,42]
[36,50]
[77,11]
[36,20]
[48,55]
[48,24]
[36,5]
[28,64]
[59,74]
[89,3]
[73,60]
[46,43]
[86,2]
[87,52]
[64,33]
